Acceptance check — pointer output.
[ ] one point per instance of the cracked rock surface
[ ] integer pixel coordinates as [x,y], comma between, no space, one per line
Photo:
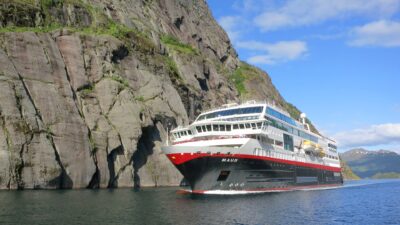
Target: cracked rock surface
[80,109]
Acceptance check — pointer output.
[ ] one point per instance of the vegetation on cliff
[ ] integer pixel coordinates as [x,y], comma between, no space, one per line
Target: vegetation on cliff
[347,173]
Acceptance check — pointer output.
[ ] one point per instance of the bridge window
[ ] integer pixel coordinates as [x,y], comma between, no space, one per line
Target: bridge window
[208,127]
[332,146]
[215,127]
[247,126]
[228,127]
[222,127]
[229,112]
[241,126]
[203,128]
[198,128]
[278,115]
[235,126]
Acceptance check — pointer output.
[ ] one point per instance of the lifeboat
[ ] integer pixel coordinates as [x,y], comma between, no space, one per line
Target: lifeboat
[313,148]
[308,146]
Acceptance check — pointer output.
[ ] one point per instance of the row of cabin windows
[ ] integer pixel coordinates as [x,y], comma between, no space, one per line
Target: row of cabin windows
[241,118]
[182,133]
[230,112]
[332,146]
[228,127]
[332,157]
[292,130]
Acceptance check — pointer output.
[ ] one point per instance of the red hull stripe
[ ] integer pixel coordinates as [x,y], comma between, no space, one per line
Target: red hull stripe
[178,158]
[258,190]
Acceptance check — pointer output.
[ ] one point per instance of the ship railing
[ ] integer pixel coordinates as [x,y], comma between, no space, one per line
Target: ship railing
[282,155]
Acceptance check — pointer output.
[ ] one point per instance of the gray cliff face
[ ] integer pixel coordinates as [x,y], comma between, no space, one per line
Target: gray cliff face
[82,107]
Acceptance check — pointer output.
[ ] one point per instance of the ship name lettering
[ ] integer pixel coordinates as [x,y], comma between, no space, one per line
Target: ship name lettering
[229,160]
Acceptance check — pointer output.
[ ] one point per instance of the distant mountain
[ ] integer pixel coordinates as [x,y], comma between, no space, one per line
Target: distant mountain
[373,164]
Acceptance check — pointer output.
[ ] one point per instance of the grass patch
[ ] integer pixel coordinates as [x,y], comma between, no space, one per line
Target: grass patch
[25,2]
[172,68]
[174,44]
[120,80]
[49,132]
[241,74]
[86,90]
[100,23]
[40,29]
[139,98]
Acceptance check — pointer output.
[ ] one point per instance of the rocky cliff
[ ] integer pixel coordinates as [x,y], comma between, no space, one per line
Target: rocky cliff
[88,88]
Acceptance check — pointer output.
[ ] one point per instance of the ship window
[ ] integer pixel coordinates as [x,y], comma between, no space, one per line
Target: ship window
[189,132]
[222,127]
[203,128]
[198,129]
[288,142]
[280,116]
[241,126]
[235,126]
[229,112]
[223,175]
[279,143]
[259,125]
[208,127]
[215,127]
[253,125]
[247,125]
[332,146]
[228,127]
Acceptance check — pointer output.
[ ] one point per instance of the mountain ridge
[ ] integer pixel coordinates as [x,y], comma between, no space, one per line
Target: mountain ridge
[372,164]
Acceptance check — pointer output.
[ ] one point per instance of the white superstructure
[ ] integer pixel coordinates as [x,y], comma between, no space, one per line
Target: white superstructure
[254,128]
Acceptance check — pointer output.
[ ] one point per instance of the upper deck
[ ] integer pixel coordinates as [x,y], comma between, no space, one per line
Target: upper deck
[246,119]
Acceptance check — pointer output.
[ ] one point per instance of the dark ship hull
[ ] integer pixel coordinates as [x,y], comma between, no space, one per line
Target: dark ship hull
[217,174]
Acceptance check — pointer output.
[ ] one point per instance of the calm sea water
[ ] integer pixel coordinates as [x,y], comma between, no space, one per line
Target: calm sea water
[361,202]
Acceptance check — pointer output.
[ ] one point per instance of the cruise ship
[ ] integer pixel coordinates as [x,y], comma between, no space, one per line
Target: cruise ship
[252,148]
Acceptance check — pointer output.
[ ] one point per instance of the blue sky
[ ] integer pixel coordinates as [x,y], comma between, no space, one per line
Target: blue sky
[338,61]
